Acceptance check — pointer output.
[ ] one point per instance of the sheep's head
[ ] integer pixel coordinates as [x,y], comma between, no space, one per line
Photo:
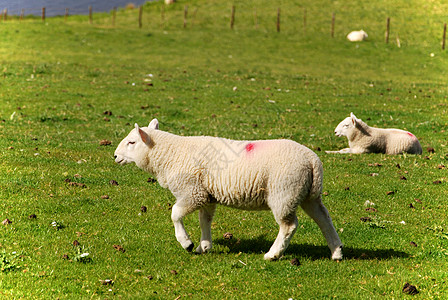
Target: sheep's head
[364,34]
[134,147]
[346,126]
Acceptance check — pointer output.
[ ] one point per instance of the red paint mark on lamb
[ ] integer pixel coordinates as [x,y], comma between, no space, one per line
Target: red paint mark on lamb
[411,135]
[250,147]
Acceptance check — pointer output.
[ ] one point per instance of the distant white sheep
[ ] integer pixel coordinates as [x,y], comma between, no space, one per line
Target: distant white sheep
[357,36]
[279,175]
[365,139]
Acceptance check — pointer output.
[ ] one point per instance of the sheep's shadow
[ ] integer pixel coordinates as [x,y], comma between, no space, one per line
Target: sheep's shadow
[261,245]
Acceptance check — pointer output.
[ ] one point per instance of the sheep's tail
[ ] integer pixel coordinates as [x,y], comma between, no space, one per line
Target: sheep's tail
[318,174]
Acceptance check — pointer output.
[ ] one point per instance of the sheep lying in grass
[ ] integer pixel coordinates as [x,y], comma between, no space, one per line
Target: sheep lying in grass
[365,139]
[357,36]
[279,175]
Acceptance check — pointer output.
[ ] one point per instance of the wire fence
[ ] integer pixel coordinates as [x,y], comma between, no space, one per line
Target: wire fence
[50,11]
[300,19]
[44,11]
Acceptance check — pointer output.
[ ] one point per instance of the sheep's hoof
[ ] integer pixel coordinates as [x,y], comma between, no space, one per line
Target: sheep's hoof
[190,247]
[337,253]
[204,247]
[270,257]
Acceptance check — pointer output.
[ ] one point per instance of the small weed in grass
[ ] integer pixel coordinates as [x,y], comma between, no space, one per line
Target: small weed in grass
[9,261]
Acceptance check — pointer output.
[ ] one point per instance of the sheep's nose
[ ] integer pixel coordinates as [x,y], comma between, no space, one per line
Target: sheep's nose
[115,156]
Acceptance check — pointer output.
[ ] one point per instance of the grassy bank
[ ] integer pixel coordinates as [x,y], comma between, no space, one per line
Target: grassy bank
[67,86]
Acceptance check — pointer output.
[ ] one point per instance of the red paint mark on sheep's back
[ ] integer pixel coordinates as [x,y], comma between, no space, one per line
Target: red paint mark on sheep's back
[250,147]
[411,135]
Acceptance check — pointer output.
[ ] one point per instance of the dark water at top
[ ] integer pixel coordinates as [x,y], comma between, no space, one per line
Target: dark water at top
[57,7]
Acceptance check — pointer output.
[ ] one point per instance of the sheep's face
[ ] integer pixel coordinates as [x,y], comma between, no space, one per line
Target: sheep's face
[363,34]
[128,149]
[134,148]
[346,126]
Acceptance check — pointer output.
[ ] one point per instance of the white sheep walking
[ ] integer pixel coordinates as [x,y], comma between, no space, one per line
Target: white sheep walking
[279,175]
[357,36]
[365,139]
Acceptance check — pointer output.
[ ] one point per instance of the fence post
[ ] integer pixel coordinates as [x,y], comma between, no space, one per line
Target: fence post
[114,15]
[387,30]
[232,18]
[140,13]
[444,36]
[185,15]
[66,14]
[5,14]
[22,13]
[43,14]
[90,14]
[278,19]
[333,18]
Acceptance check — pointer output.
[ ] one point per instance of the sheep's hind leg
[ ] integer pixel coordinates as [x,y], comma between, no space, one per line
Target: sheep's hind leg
[205,221]
[319,213]
[287,229]
[177,214]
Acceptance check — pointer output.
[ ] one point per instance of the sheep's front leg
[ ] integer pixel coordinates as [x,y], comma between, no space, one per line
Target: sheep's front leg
[342,151]
[177,214]
[205,221]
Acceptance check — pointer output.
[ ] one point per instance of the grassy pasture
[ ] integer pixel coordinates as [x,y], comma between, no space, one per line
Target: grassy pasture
[66,86]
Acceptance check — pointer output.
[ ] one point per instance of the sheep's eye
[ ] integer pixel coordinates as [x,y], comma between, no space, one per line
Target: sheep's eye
[131,143]
[345,125]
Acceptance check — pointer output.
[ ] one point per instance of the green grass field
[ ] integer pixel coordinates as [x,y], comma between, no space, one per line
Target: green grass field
[67,86]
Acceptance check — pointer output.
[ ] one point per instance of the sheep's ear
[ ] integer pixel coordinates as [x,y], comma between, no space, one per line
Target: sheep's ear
[354,119]
[143,135]
[154,124]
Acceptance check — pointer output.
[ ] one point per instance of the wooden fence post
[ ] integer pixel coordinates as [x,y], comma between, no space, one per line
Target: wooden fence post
[387,30]
[232,18]
[90,15]
[398,41]
[333,17]
[114,15]
[22,14]
[5,14]
[140,13]
[278,19]
[43,14]
[66,14]
[444,36]
[185,15]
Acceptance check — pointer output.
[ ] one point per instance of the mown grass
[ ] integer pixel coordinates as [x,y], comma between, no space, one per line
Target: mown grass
[59,80]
